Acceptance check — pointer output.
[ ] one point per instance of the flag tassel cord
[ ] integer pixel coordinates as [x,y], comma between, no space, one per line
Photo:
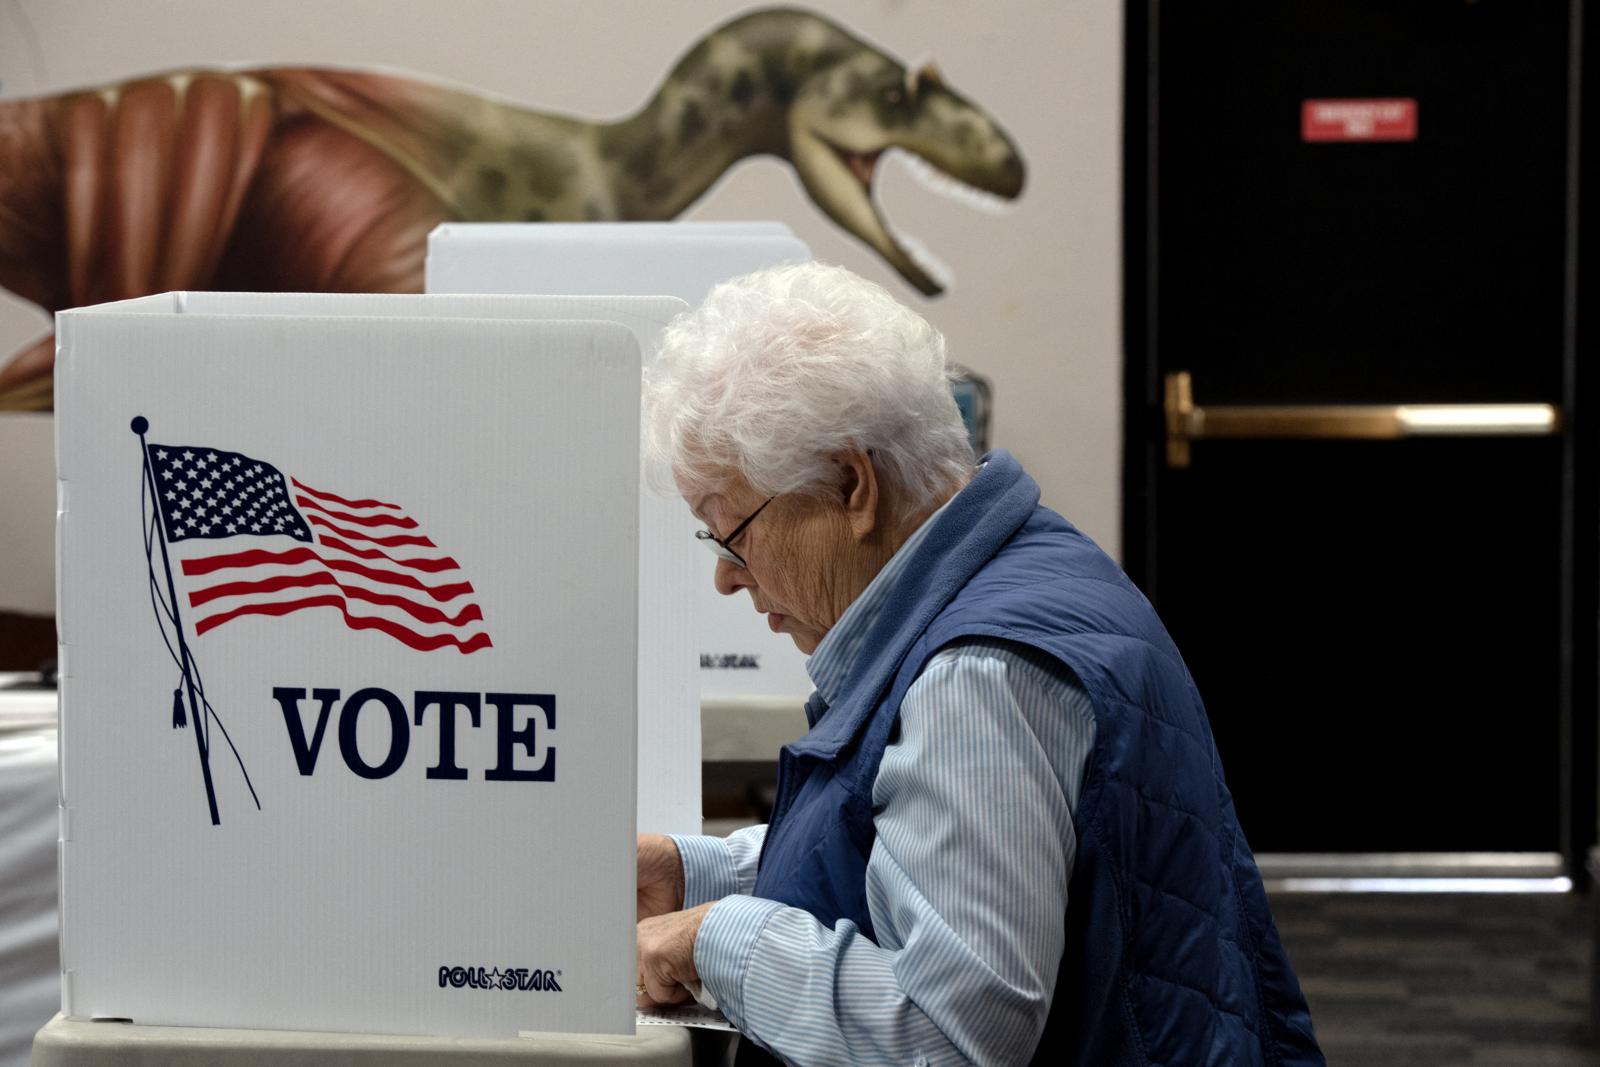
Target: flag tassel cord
[139,426]
[158,604]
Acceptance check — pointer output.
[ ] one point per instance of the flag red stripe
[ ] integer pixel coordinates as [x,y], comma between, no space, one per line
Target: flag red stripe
[266,585]
[341,500]
[420,612]
[418,641]
[257,556]
[388,542]
[211,622]
[249,558]
[431,566]
[410,638]
[402,521]
[448,591]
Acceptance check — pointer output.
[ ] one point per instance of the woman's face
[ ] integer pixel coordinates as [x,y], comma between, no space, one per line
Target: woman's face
[797,555]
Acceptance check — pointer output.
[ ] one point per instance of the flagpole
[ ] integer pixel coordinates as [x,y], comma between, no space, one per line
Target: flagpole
[139,425]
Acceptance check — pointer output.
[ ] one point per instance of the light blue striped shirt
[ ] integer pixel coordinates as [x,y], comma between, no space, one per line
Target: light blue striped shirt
[966,882]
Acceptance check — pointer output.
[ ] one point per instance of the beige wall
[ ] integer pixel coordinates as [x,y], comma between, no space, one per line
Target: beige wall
[1035,304]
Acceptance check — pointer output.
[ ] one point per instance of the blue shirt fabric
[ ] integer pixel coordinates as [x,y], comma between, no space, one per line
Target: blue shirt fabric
[966,881]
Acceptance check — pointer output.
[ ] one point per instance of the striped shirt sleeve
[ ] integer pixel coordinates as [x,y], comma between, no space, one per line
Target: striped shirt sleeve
[717,867]
[966,883]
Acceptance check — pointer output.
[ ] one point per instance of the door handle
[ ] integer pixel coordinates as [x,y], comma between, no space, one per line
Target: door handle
[1187,422]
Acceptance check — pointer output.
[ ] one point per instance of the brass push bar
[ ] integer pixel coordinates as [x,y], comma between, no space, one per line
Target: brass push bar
[1371,422]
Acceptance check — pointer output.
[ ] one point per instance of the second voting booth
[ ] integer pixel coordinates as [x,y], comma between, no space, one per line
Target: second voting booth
[740,658]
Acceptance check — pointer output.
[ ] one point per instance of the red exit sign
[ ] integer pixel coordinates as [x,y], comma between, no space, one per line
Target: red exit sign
[1359,120]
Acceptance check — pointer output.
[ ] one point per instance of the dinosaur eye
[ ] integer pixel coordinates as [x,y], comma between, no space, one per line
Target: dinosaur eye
[894,95]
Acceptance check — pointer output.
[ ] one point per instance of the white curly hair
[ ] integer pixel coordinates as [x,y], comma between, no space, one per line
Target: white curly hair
[779,369]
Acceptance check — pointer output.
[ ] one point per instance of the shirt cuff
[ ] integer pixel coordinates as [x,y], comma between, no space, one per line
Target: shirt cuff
[708,869]
[724,945]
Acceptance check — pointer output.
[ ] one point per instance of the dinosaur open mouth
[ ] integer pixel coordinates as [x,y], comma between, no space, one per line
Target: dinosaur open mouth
[863,166]
[860,164]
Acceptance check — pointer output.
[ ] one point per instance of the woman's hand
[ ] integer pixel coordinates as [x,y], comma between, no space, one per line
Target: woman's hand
[666,956]
[660,876]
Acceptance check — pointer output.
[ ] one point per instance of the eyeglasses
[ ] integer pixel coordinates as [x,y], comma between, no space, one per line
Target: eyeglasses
[720,545]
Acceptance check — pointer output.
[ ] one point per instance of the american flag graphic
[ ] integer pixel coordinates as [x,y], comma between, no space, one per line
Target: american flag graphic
[305,548]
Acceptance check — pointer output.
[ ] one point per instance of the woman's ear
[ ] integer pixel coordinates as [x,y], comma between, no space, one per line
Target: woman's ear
[858,490]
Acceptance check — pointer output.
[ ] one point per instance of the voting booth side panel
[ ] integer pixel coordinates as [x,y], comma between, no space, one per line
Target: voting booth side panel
[348,614]
[740,657]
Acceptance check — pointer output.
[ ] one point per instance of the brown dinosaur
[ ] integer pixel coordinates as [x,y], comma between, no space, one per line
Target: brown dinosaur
[329,180]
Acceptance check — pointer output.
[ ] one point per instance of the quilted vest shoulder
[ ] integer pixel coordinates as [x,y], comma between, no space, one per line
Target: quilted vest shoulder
[1171,944]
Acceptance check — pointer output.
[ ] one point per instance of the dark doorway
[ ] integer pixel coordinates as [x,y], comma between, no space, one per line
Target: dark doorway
[1354,445]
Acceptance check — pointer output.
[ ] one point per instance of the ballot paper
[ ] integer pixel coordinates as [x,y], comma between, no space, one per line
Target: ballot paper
[685,1015]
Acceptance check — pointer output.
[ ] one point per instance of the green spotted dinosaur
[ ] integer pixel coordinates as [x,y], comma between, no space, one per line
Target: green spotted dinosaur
[329,180]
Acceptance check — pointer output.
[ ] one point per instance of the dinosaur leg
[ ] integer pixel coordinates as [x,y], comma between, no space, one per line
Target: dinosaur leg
[329,212]
[152,176]
[26,383]
[32,251]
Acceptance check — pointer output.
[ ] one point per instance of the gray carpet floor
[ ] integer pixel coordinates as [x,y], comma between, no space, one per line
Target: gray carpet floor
[1423,980]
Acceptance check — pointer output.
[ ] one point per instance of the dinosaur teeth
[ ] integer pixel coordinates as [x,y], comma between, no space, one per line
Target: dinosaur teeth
[931,265]
[935,180]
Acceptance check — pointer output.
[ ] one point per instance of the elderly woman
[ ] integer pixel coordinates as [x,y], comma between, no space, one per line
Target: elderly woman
[1006,834]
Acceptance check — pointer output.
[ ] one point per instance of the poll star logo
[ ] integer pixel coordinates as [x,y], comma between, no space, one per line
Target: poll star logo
[307,548]
[518,978]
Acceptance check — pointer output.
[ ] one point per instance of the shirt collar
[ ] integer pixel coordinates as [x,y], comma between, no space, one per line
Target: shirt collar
[836,654]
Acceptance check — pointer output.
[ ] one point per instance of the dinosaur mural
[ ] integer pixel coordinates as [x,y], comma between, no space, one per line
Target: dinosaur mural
[330,180]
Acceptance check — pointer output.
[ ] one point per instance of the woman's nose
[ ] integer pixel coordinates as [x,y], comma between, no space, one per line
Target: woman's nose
[730,577]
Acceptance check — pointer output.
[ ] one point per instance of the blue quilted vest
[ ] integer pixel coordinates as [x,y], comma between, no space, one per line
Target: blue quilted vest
[1171,953]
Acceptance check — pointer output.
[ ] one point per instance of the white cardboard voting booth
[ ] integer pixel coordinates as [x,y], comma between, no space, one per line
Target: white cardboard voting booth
[669,799]
[347,612]
[740,657]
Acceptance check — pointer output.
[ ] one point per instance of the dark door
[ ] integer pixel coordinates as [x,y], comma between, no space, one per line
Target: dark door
[1344,215]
